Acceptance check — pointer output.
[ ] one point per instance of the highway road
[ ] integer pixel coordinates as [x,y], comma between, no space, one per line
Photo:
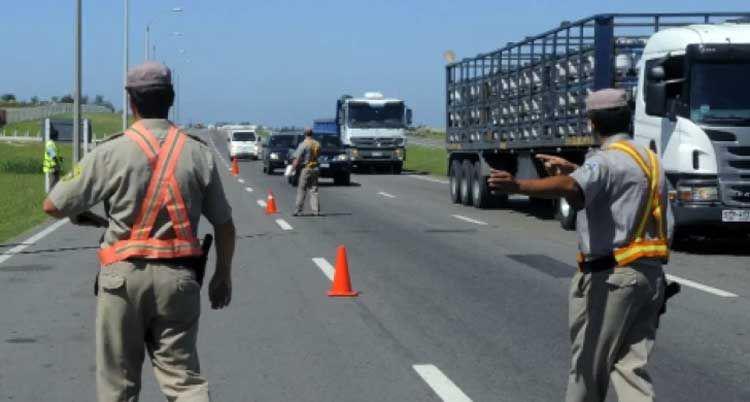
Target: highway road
[456,304]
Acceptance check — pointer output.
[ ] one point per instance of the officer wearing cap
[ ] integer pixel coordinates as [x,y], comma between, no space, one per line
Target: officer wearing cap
[306,158]
[623,235]
[155,182]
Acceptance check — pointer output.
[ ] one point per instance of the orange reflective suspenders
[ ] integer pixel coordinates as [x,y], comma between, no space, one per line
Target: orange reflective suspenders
[654,209]
[163,192]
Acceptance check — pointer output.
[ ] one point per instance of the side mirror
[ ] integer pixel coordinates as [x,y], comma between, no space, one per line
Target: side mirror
[408,117]
[656,99]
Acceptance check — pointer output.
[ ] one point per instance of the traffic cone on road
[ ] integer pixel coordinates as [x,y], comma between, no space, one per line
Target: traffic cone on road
[342,285]
[271,204]
[235,167]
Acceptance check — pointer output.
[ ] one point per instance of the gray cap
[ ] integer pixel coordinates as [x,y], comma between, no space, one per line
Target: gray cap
[609,98]
[149,74]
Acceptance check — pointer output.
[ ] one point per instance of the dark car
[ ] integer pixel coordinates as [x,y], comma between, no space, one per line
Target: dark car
[277,150]
[333,161]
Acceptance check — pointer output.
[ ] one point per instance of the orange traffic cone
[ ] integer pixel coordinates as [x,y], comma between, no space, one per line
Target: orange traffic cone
[271,204]
[342,286]
[235,167]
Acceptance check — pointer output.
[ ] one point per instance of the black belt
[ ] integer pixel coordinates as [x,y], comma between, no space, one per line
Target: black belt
[598,264]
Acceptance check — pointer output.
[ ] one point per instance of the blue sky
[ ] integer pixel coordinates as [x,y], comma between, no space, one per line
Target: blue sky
[282,62]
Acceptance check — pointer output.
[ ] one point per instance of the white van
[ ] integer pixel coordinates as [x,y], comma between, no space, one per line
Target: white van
[243,144]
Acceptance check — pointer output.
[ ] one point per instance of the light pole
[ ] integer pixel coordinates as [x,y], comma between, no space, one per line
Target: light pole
[77,87]
[126,55]
[148,33]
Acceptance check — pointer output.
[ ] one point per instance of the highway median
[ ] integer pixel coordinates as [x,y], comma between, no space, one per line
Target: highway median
[425,160]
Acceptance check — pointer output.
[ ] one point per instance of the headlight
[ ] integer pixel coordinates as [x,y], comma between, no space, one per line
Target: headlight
[342,157]
[705,193]
[400,141]
[274,156]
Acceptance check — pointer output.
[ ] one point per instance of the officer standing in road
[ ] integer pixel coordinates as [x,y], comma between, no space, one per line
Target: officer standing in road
[155,182]
[623,239]
[306,157]
[52,164]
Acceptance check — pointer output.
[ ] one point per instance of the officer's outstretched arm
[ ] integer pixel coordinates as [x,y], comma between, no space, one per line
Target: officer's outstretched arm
[549,187]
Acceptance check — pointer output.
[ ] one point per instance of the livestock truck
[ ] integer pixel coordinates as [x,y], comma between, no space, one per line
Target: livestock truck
[686,74]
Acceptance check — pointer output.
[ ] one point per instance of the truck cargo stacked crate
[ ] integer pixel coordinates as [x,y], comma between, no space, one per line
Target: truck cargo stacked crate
[528,97]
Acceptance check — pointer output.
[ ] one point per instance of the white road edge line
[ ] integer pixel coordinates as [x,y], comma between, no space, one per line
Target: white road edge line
[31,240]
[428,178]
[249,189]
[241,181]
[440,383]
[262,203]
[465,219]
[324,266]
[699,286]
[384,194]
[284,224]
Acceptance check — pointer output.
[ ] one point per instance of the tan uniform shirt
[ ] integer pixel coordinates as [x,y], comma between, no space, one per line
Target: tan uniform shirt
[615,190]
[307,153]
[117,173]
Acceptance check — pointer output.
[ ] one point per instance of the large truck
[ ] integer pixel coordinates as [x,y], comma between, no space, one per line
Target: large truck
[373,128]
[684,72]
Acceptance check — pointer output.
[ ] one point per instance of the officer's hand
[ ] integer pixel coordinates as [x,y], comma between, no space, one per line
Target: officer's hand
[220,291]
[556,166]
[502,182]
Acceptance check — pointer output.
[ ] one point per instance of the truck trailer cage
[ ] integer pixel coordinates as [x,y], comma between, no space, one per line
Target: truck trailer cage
[530,94]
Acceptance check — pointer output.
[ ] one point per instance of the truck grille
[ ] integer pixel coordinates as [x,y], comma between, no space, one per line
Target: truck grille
[739,193]
[376,142]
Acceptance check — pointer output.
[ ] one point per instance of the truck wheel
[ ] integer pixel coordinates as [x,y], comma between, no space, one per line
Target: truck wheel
[455,182]
[398,168]
[565,213]
[467,176]
[343,179]
[480,192]
[268,170]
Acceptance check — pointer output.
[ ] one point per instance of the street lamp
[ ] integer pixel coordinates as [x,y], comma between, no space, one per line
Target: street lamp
[77,87]
[125,70]
[148,31]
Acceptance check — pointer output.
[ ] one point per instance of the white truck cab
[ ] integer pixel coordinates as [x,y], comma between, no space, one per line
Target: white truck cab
[693,109]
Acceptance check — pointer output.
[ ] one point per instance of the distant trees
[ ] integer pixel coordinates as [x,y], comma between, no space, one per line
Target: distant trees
[34,100]
[8,97]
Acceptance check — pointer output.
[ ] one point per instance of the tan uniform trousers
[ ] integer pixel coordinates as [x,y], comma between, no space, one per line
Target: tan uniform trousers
[149,308]
[308,181]
[613,320]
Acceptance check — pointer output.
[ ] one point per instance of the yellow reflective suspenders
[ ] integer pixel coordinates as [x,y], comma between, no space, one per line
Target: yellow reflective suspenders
[654,208]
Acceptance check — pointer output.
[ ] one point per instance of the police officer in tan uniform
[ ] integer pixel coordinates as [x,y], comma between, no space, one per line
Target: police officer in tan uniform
[155,182]
[306,157]
[623,237]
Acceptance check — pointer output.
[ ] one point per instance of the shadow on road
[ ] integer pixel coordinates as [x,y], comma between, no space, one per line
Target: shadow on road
[698,245]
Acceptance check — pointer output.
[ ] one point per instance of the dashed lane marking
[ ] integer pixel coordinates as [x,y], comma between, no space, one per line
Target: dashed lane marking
[262,204]
[249,189]
[284,224]
[324,266]
[470,220]
[446,389]
[386,195]
[428,178]
[31,240]
[699,286]
[241,181]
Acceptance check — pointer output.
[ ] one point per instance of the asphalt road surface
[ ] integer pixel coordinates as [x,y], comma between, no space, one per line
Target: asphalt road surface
[456,304]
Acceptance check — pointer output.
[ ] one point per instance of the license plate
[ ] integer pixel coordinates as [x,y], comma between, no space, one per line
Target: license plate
[377,154]
[325,165]
[735,215]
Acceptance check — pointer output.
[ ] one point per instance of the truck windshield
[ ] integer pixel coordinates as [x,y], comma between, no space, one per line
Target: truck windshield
[364,115]
[281,141]
[720,93]
[243,136]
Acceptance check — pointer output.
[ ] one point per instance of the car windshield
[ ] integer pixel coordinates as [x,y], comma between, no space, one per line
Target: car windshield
[365,115]
[720,93]
[243,136]
[281,141]
[328,141]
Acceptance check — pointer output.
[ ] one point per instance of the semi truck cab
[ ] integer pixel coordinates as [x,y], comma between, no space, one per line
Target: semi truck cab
[693,109]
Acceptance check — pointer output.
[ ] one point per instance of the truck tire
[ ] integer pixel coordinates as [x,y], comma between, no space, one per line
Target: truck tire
[565,213]
[455,182]
[480,192]
[467,178]
[343,179]
[397,168]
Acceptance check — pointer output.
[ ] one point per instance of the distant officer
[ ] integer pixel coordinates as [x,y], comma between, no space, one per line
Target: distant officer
[52,164]
[623,233]
[306,158]
[155,182]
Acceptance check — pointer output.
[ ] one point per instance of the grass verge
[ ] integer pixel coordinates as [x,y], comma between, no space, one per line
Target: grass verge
[103,124]
[22,185]
[426,160]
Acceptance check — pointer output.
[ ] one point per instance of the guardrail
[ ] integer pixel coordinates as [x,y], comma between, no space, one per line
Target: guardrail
[14,115]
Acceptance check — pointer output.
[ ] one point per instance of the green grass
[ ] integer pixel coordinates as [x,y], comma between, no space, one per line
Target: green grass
[22,184]
[104,124]
[426,160]
[430,133]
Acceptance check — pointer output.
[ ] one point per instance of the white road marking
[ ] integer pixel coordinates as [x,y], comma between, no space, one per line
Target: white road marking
[325,266]
[440,383]
[284,224]
[262,203]
[31,240]
[249,189]
[241,181]
[465,219]
[384,194]
[699,286]
[428,178]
